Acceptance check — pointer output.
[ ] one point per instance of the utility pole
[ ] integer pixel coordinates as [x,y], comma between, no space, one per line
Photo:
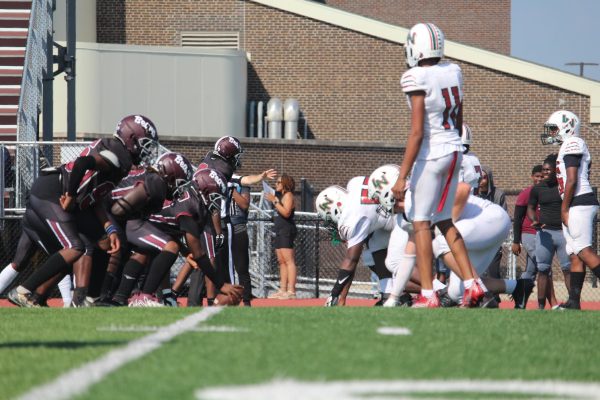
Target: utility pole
[581,65]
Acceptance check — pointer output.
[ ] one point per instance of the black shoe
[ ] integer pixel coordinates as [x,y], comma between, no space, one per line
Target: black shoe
[488,301]
[247,303]
[169,298]
[445,300]
[108,303]
[332,301]
[405,300]
[522,292]
[570,305]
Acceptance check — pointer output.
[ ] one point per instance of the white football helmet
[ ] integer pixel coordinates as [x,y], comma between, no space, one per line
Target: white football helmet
[560,126]
[423,41]
[330,203]
[381,182]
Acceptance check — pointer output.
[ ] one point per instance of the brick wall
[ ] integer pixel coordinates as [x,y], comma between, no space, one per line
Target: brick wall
[348,87]
[484,24]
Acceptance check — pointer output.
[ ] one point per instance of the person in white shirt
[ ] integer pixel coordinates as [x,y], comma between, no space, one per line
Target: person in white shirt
[579,205]
[434,154]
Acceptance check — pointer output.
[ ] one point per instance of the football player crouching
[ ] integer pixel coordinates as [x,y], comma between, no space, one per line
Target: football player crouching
[482,244]
[354,217]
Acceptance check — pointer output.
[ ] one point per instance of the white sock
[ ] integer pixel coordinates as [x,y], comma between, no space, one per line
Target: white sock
[7,275]
[480,282]
[65,290]
[426,293]
[438,285]
[402,273]
[511,284]
[385,285]
[468,283]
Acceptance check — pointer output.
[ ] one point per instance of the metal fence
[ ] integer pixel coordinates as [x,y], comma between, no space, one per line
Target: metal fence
[317,257]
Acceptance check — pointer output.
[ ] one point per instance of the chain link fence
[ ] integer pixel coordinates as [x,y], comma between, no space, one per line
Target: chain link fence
[317,256]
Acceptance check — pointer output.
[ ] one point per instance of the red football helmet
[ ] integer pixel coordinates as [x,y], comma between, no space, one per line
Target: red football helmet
[140,137]
[176,170]
[230,149]
[211,186]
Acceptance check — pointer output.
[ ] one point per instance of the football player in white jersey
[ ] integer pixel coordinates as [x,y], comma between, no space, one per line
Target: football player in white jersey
[470,168]
[356,218]
[579,205]
[482,245]
[434,147]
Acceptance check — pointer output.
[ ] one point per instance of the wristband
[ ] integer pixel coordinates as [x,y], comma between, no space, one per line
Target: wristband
[110,229]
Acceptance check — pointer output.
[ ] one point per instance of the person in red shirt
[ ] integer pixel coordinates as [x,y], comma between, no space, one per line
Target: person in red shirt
[523,232]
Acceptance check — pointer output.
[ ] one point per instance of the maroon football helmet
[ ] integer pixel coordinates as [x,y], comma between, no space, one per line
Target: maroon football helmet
[230,149]
[176,170]
[211,186]
[140,137]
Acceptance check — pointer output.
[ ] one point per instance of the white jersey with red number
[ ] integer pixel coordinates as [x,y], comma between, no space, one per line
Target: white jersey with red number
[359,216]
[470,170]
[574,146]
[443,87]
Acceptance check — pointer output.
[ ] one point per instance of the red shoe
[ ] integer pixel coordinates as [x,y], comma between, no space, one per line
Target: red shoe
[425,302]
[472,296]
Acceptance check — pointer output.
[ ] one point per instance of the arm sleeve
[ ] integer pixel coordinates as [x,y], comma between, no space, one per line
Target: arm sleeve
[81,165]
[573,160]
[520,213]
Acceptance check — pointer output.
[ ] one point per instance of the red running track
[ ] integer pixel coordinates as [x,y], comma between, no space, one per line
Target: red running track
[320,302]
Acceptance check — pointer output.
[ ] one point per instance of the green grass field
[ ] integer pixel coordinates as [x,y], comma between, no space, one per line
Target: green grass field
[259,345]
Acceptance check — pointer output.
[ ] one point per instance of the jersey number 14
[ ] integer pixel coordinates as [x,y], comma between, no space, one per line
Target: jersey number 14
[452,108]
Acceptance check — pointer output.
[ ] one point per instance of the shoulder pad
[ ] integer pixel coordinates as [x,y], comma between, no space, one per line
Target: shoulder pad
[110,157]
[573,145]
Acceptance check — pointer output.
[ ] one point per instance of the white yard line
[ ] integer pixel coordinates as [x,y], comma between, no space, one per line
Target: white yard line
[381,390]
[80,379]
[394,331]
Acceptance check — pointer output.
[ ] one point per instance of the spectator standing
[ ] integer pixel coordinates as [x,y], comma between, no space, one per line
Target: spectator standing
[489,191]
[285,233]
[549,237]
[523,233]
[240,243]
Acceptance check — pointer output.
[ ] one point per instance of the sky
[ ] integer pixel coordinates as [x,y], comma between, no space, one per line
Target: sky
[555,32]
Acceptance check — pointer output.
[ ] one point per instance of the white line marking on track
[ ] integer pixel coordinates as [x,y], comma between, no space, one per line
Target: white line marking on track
[401,389]
[80,379]
[144,328]
[394,331]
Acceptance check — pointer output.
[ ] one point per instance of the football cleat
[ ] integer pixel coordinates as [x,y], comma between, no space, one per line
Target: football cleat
[472,296]
[392,301]
[108,302]
[427,302]
[570,305]
[488,301]
[445,300]
[21,299]
[145,300]
[522,292]
[332,301]
[382,299]
[405,300]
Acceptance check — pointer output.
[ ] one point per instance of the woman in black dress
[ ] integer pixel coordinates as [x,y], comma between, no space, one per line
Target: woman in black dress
[285,233]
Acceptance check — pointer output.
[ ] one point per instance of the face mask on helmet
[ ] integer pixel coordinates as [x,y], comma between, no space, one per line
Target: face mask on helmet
[559,127]
[381,182]
[176,170]
[230,149]
[422,42]
[140,137]
[329,205]
[211,187]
